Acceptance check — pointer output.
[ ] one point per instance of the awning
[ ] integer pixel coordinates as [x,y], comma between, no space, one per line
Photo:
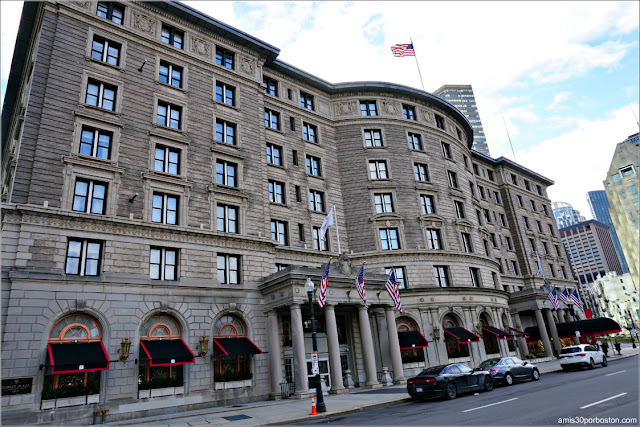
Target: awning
[411,339]
[502,335]
[518,333]
[166,352]
[462,335]
[236,346]
[597,326]
[83,357]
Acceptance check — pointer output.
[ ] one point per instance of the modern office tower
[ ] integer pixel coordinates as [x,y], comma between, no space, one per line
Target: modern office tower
[618,299]
[621,185]
[462,97]
[566,215]
[599,206]
[165,180]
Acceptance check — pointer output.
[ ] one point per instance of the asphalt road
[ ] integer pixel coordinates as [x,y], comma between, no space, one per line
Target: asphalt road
[600,396]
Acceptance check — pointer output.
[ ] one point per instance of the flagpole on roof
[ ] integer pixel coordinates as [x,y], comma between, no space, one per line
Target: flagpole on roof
[418,65]
[335,218]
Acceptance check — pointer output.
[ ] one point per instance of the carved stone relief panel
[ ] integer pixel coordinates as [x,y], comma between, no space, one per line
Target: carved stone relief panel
[200,47]
[144,23]
[247,66]
[391,107]
[345,108]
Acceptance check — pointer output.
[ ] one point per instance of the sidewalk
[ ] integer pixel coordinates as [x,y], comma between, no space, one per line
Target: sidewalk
[288,411]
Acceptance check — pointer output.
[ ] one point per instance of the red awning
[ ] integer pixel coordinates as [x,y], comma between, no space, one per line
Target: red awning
[462,335]
[502,335]
[166,352]
[68,358]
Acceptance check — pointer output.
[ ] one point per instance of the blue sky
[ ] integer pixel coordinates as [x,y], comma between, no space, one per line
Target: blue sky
[563,76]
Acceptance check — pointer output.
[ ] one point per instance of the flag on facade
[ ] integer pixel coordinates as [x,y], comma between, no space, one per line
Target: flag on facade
[553,297]
[394,291]
[564,296]
[322,297]
[576,298]
[403,50]
[326,223]
[539,264]
[360,287]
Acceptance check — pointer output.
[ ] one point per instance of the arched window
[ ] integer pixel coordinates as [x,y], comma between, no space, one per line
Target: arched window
[490,340]
[454,348]
[155,328]
[230,367]
[405,324]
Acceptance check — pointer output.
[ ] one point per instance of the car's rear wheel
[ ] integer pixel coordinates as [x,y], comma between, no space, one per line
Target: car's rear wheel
[535,375]
[488,383]
[508,379]
[452,391]
[604,361]
[565,368]
[592,365]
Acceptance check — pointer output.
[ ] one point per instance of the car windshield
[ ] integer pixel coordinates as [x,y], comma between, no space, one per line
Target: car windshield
[489,363]
[569,350]
[434,370]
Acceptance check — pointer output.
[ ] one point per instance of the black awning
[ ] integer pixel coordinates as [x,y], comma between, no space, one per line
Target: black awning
[235,346]
[518,333]
[411,339]
[166,352]
[83,357]
[597,326]
[462,335]
[502,335]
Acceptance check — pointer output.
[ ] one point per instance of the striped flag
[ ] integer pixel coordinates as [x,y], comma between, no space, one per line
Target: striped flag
[394,292]
[403,50]
[360,287]
[539,264]
[564,296]
[576,298]
[553,297]
[322,297]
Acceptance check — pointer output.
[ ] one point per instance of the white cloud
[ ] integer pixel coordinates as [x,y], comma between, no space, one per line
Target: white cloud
[558,99]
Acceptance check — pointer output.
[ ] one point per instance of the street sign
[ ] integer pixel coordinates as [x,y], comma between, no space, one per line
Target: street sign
[315,369]
[578,334]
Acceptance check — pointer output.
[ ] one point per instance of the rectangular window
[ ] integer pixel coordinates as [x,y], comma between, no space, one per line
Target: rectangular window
[276,192]
[475,277]
[316,201]
[271,119]
[507,241]
[163,264]
[373,138]
[310,132]
[170,74]
[563,271]
[279,232]
[167,160]
[526,222]
[313,166]
[169,115]
[466,242]
[479,216]
[95,143]
[526,185]
[271,86]
[164,209]
[408,112]
[490,175]
[228,269]
[105,50]
[306,101]
[539,189]
[172,36]
[551,229]
[294,157]
[383,202]
[446,150]
[298,193]
[224,57]
[225,132]
[533,205]
[539,225]
[520,202]
[459,134]
[274,154]
[439,122]
[84,257]
[225,94]
[292,124]
[453,179]
[420,172]
[368,108]
[320,243]
[227,218]
[400,276]
[503,220]
[101,95]
[301,232]
[514,179]
[226,173]
[492,237]
[487,216]
[496,197]
[475,169]
[427,204]
[415,141]
[378,169]
[481,190]
[472,188]
[90,197]
[514,267]
[389,239]
[558,253]
[114,12]
[545,247]
[459,209]
[532,243]
[544,209]
[441,275]
[433,239]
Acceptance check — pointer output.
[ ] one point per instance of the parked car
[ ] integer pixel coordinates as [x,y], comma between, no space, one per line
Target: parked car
[448,380]
[577,356]
[507,370]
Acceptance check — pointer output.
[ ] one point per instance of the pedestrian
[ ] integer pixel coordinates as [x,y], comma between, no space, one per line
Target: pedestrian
[605,348]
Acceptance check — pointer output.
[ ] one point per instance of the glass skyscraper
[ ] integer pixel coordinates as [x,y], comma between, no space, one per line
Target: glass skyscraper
[599,206]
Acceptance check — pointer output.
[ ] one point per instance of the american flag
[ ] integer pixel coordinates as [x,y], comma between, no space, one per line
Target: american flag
[576,298]
[553,297]
[322,298]
[394,292]
[360,286]
[403,50]
[564,296]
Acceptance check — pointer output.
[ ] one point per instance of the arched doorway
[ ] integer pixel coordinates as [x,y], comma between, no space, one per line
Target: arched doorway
[232,350]
[415,353]
[454,348]
[491,346]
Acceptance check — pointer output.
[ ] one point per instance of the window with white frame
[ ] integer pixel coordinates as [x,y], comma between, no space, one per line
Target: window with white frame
[459,206]
[271,86]
[400,276]
[507,241]
[453,179]
[415,141]
[316,201]
[84,257]
[433,239]
[172,36]
[514,267]
[320,243]
[496,197]
[163,263]
[408,112]
[225,58]
[227,218]
[101,95]
[170,74]
[446,150]
[441,275]
[167,159]
[427,204]
[475,277]
[164,208]
[169,115]
[420,172]
[309,132]
[225,132]
[226,173]
[276,192]
[306,101]
[228,269]
[279,232]
[313,165]
[368,108]
[90,196]
[274,154]
[95,142]
[526,222]
[503,220]
[114,12]
[271,119]
[389,239]
[106,50]
[225,94]
[378,169]
[467,246]
[439,121]
[373,138]
[383,202]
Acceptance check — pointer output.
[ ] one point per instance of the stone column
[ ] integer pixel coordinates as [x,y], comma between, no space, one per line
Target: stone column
[367,349]
[561,315]
[275,352]
[502,344]
[382,343]
[337,386]
[394,347]
[474,350]
[437,344]
[543,332]
[522,342]
[554,331]
[299,357]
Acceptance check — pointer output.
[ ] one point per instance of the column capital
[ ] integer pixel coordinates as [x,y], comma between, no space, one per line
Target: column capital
[294,305]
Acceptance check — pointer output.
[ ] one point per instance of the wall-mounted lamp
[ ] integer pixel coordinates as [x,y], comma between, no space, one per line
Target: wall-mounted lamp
[436,333]
[479,328]
[142,66]
[203,347]
[125,346]
[133,198]
[505,325]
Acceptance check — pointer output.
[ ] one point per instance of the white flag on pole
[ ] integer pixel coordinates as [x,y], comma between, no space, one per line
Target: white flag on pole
[326,223]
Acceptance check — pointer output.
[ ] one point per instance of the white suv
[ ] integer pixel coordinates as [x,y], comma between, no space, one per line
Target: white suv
[581,355]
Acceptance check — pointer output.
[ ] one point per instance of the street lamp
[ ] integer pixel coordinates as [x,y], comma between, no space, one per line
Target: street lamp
[308,286]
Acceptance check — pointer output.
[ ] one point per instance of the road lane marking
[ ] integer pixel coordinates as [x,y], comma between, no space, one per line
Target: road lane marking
[619,372]
[603,400]
[491,404]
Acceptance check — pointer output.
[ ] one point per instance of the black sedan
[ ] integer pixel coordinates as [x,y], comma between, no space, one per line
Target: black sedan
[449,381]
[506,370]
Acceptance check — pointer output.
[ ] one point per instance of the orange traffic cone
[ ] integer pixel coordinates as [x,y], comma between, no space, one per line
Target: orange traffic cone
[313,405]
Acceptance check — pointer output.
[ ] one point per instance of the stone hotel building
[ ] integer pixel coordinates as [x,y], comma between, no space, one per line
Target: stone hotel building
[164,181]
